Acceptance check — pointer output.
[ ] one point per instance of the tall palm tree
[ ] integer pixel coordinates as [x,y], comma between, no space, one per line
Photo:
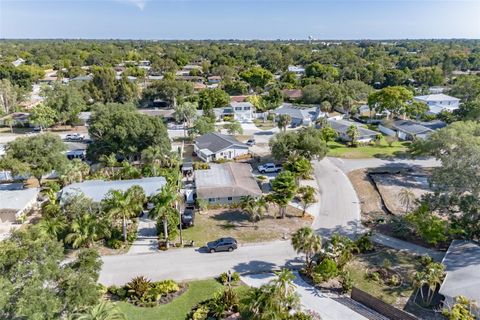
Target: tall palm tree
[406,197]
[85,230]
[76,171]
[432,276]
[122,205]
[251,207]
[284,188]
[164,207]
[300,166]
[109,162]
[153,156]
[102,311]
[306,241]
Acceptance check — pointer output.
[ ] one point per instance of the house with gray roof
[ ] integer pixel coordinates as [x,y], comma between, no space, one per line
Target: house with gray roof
[439,102]
[341,127]
[226,183]
[216,146]
[410,130]
[14,201]
[462,262]
[300,116]
[98,189]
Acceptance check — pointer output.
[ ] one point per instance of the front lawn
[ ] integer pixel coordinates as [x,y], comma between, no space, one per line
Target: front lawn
[218,223]
[340,150]
[403,263]
[265,125]
[179,308]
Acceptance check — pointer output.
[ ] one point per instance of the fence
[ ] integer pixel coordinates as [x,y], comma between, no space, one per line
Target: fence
[381,307]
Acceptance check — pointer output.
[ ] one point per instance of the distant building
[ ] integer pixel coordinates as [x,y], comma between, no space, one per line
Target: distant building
[216,146]
[18,62]
[439,102]
[462,262]
[14,203]
[299,116]
[292,94]
[298,70]
[226,183]
[410,130]
[98,189]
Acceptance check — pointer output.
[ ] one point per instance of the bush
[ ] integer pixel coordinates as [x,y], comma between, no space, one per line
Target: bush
[114,243]
[112,289]
[425,260]
[121,293]
[138,287]
[326,270]
[374,276]
[394,280]
[235,277]
[201,313]
[166,286]
[346,281]
[364,244]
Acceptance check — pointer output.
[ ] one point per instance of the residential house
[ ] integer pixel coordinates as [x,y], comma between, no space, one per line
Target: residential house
[216,146]
[241,111]
[226,183]
[410,130]
[439,102]
[98,189]
[292,94]
[214,79]
[298,70]
[462,262]
[242,98]
[299,116]
[18,62]
[82,78]
[341,127]
[16,201]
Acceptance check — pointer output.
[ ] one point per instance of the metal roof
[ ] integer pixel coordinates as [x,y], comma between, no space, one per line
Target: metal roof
[216,142]
[17,199]
[226,180]
[296,112]
[98,189]
[462,262]
[436,97]
[341,126]
[410,127]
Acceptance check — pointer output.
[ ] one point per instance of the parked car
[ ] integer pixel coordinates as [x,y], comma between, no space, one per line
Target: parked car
[269,168]
[250,142]
[188,217]
[223,244]
[74,137]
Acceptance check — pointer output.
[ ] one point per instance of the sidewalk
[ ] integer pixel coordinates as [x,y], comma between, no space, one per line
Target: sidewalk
[406,246]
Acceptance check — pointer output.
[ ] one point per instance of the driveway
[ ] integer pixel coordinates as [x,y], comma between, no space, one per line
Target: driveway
[310,298]
[147,240]
[192,263]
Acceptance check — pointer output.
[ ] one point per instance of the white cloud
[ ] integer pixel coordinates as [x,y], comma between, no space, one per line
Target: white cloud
[140,4]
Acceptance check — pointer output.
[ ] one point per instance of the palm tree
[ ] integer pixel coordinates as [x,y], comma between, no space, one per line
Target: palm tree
[85,230]
[307,197]
[406,197]
[129,171]
[300,166]
[52,226]
[153,156]
[283,121]
[76,171]
[164,207]
[253,207]
[284,188]
[110,162]
[306,241]
[102,311]
[432,277]
[122,205]
[352,133]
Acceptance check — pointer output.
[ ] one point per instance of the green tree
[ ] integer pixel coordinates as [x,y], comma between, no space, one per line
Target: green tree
[164,208]
[255,208]
[123,205]
[212,98]
[431,277]
[85,230]
[284,188]
[430,76]
[307,197]
[75,171]
[306,142]
[168,90]
[325,72]
[36,155]
[392,99]
[10,96]
[121,130]
[67,102]
[466,88]
[102,87]
[463,309]
[185,112]
[353,134]
[203,125]
[234,127]
[283,121]
[306,241]
[257,77]
[407,198]
[235,88]
[43,116]
[328,133]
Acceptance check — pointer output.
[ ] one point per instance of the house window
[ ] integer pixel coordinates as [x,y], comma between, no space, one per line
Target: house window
[246,108]
[230,198]
[238,108]
[211,199]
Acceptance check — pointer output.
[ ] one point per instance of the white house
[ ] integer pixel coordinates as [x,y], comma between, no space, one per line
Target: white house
[215,146]
[299,116]
[341,127]
[410,130]
[298,70]
[241,111]
[14,203]
[439,102]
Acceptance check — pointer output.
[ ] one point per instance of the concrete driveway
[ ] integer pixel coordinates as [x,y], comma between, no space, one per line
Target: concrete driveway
[191,263]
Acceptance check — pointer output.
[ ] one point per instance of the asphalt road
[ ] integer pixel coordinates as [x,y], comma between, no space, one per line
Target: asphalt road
[189,263]
[347,165]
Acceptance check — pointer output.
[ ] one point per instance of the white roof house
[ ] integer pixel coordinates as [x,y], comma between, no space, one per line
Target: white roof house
[299,115]
[462,265]
[14,203]
[439,102]
[98,189]
[298,70]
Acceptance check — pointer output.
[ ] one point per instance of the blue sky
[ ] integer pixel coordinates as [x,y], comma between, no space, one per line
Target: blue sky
[240,19]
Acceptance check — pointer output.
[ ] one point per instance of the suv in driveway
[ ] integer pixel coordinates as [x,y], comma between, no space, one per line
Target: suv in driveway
[223,244]
[269,168]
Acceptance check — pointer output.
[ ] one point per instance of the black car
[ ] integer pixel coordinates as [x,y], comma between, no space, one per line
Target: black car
[188,217]
[223,244]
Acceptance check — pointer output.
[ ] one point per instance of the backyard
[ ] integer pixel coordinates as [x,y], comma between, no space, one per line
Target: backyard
[382,150]
[218,223]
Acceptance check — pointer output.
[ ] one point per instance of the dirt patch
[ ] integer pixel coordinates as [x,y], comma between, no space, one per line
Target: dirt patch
[218,223]
[370,200]
[389,186]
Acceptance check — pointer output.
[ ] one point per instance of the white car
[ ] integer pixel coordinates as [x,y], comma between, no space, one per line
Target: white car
[269,168]
[74,137]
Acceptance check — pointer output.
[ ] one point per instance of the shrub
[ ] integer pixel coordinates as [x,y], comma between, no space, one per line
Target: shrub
[346,281]
[387,264]
[374,276]
[425,260]
[166,286]
[235,277]
[121,293]
[394,280]
[326,270]
[138,287]
[364,244]
[201,313]
[114,243]
[112,289]
[300,316]
[400,227]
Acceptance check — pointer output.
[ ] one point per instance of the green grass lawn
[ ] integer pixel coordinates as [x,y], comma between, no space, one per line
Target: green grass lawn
[405,264]
[179,308]
[340,150]
[267,125]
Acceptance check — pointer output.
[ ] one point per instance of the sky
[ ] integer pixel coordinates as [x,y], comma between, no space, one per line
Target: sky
[240,19]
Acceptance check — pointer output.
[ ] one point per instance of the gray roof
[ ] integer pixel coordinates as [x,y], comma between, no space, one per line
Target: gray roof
[410,127]
[434,125]
[341,126]
[97,189]
[462,265]
[296,112]
[17,199]
[216,142]
[226,180]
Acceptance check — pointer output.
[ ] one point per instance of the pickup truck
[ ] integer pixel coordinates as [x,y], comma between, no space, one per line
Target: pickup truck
[269,168]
